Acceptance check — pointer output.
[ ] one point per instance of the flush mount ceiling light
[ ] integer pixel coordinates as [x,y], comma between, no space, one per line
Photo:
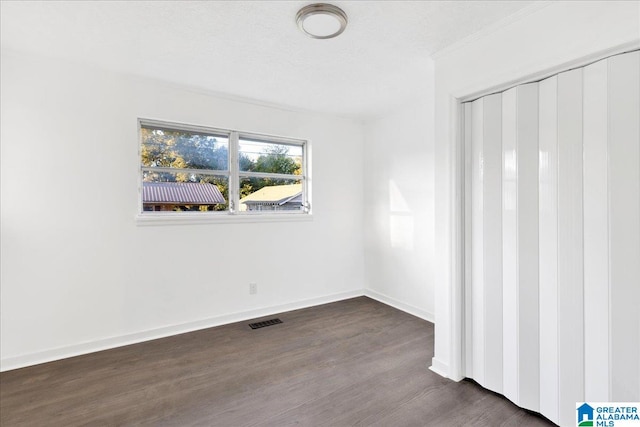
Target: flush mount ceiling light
[321,20]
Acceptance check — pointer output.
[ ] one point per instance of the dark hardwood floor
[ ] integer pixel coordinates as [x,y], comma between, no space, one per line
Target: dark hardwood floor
[354,362]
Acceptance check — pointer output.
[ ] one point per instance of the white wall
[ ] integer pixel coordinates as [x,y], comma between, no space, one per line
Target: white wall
[399,208]
[79,275]
[548,38]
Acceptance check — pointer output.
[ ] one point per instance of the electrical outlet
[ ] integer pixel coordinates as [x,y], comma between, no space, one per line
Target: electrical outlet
[253,288]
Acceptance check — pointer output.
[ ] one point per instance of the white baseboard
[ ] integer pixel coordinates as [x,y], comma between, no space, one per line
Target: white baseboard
[407,308]
[439,367]
[22,361]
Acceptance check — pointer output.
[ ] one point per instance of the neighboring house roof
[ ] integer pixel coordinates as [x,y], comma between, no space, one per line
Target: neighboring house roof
[186,193]
[274,194]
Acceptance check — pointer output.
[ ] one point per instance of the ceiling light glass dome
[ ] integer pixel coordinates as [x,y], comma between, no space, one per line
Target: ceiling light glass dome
[321,20]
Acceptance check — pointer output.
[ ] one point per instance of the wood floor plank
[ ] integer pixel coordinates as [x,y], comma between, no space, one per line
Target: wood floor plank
[352,363]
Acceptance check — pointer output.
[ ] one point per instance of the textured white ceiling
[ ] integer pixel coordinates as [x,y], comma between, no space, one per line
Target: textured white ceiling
[253,49]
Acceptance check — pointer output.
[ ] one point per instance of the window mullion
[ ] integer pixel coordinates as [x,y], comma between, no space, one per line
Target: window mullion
[234,179]
[306,185]
[214,172]
[272,175]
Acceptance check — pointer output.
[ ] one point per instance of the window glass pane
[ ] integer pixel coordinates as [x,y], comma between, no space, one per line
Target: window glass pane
[183,149]
[260,156]
[179,192]
[260,194]
[186,169]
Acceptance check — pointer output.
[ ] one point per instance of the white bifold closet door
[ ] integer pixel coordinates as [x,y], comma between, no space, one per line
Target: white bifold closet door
[552,277]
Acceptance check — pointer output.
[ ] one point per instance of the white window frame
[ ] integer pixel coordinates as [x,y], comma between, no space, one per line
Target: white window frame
[233,214]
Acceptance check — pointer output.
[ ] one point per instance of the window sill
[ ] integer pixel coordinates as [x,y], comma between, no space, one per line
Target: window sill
[222,218]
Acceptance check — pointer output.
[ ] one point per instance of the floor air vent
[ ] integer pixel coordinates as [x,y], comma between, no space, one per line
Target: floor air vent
[265,323]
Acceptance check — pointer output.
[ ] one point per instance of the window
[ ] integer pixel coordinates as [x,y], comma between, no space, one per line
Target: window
[202,171]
